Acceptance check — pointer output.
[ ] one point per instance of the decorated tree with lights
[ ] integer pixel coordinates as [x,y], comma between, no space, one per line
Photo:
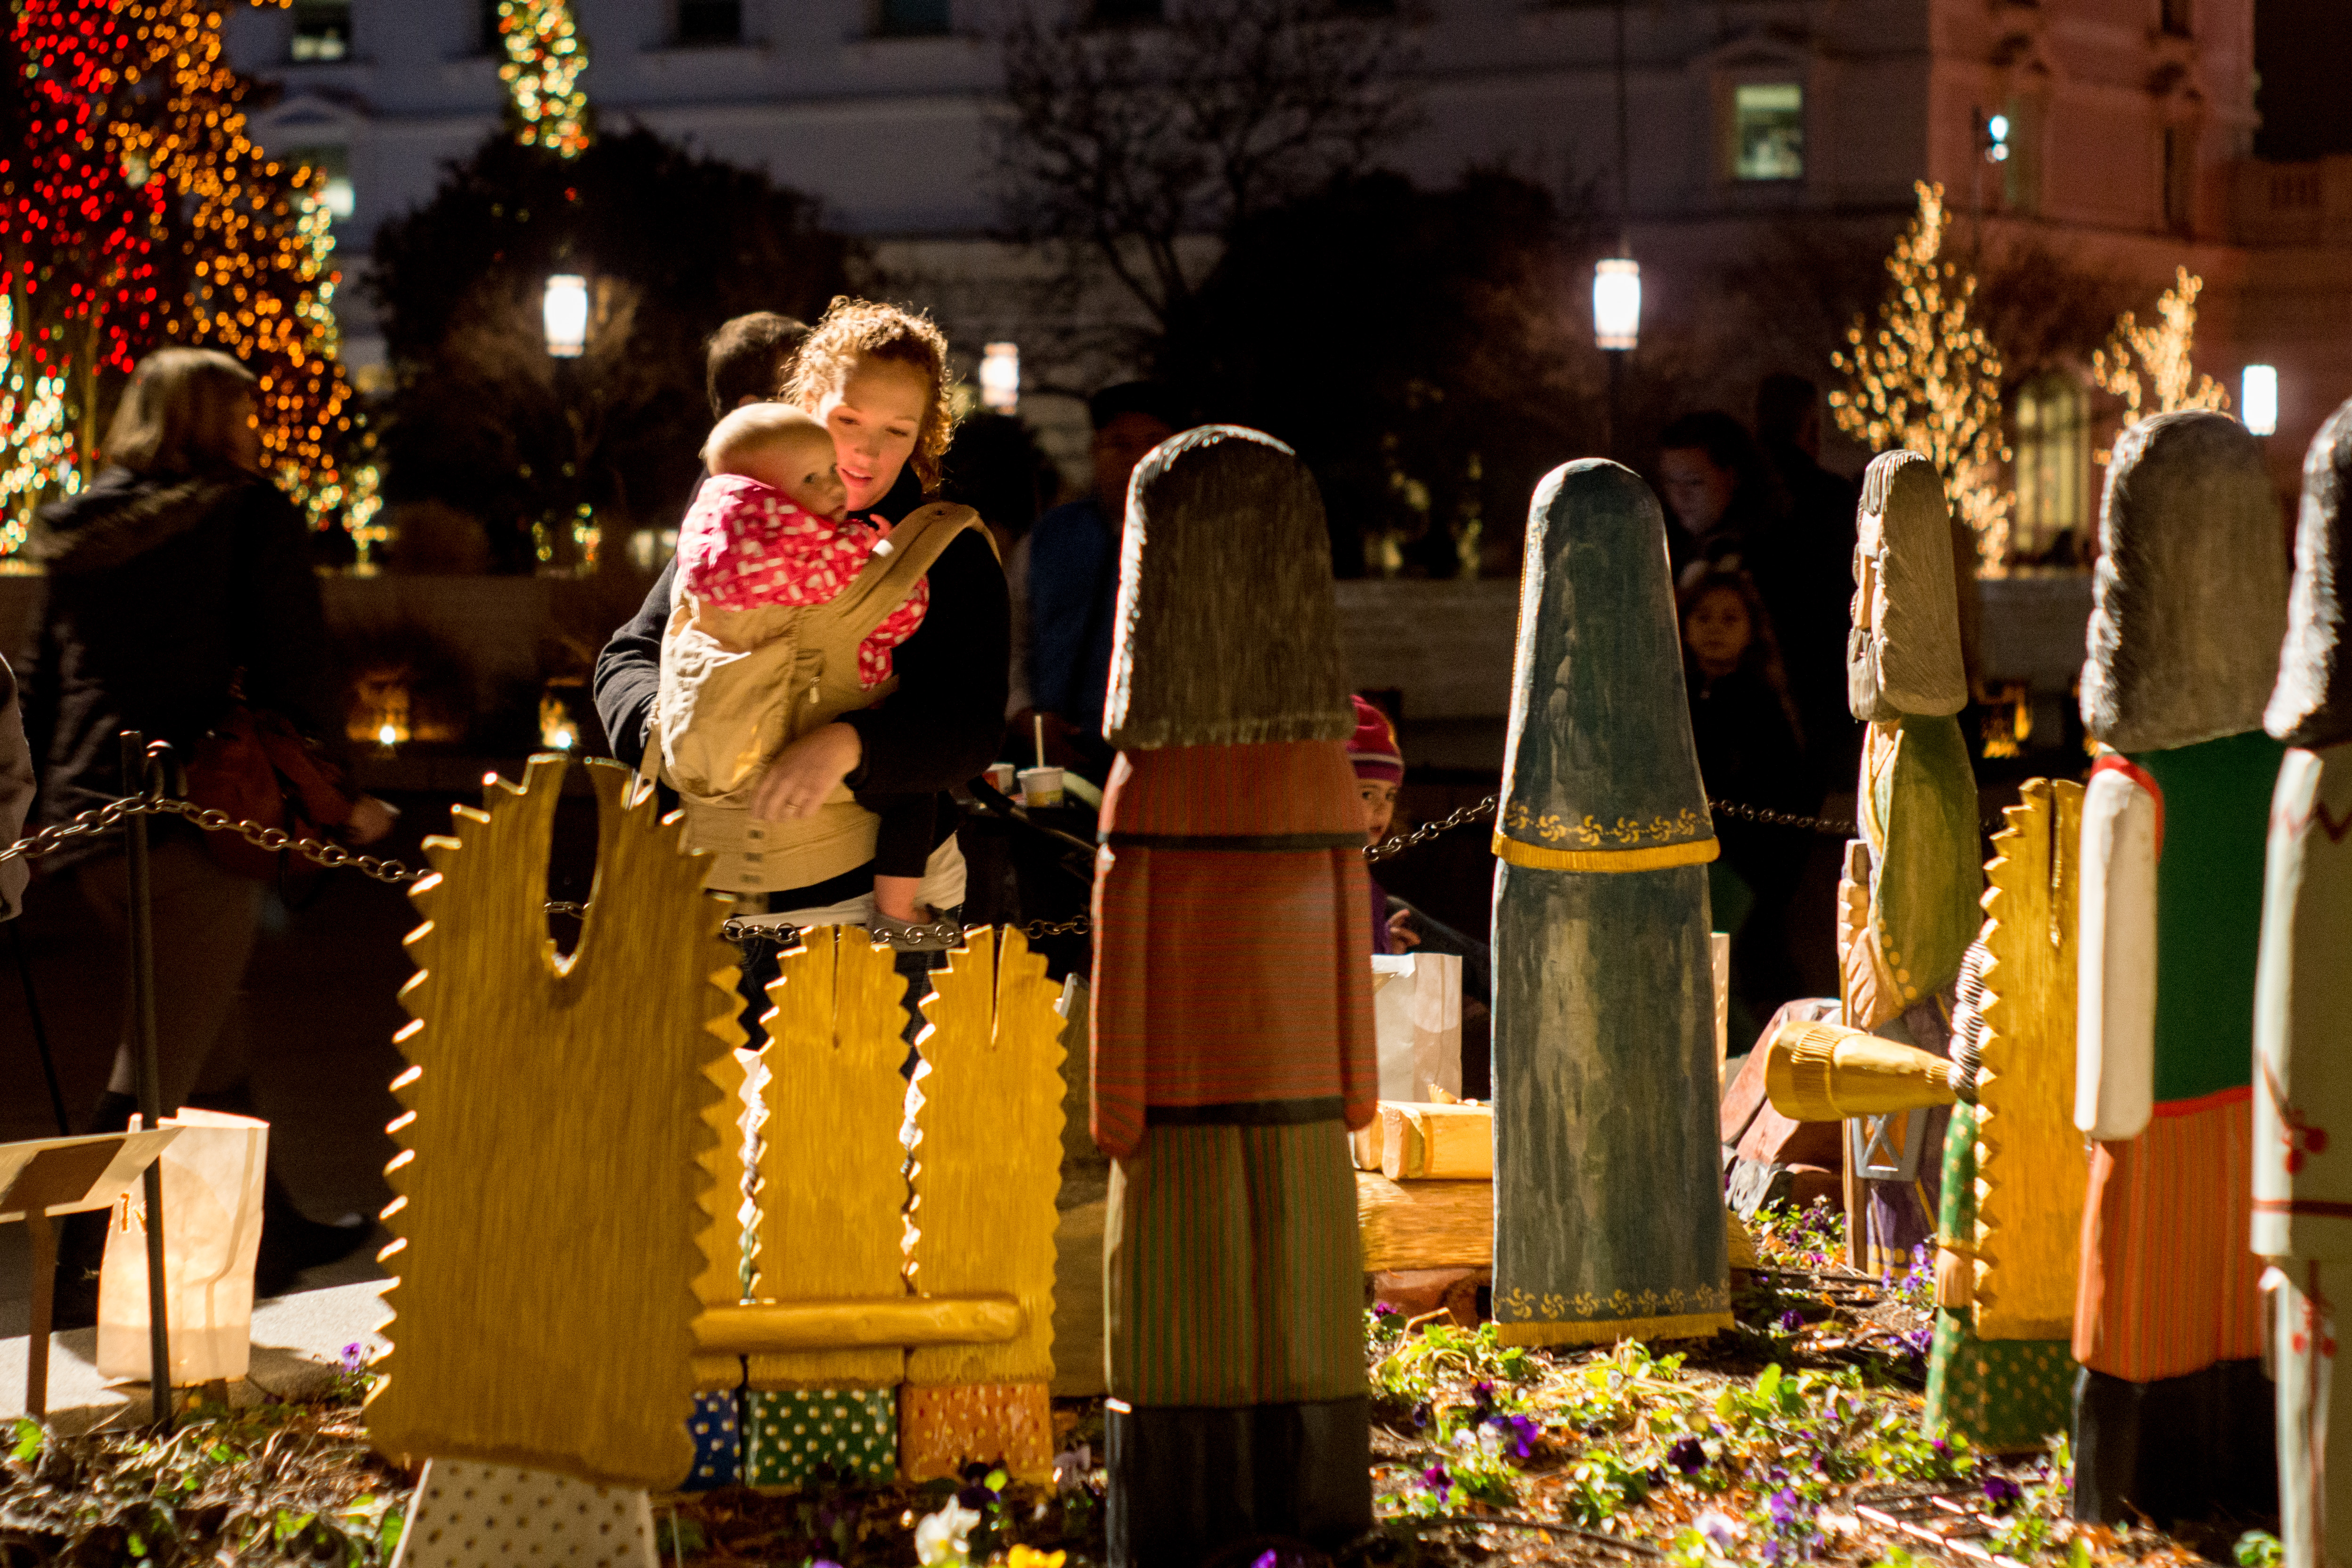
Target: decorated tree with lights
[545,57]
[1928,380]
[140,215]
[78,229]
[2138,360]
[255,241]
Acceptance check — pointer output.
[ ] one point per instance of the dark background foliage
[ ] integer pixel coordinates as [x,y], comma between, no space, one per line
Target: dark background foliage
[481,419]
[1421,349]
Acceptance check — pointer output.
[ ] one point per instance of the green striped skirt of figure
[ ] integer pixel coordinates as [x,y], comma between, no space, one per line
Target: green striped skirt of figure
[1234,1322]
[2005,1395]
[1608,1183]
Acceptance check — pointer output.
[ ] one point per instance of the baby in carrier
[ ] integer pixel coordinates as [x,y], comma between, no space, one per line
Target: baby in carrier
[770,532]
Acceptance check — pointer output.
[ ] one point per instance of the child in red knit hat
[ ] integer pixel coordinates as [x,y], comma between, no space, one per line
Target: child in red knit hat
[1398,926]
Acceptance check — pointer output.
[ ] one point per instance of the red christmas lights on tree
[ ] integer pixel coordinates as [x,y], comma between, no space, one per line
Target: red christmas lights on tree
[141,214]
[78,225]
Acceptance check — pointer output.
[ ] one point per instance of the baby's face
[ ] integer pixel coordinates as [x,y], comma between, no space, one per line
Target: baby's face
[801,466]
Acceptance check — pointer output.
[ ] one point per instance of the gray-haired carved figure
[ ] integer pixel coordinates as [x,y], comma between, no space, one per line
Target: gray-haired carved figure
[2172,1412]
[1907,905]
[1233,1019]
[2303,1021]
[1608,1201]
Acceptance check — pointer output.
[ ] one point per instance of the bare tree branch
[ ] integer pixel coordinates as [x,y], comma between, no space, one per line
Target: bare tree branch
[1125,142]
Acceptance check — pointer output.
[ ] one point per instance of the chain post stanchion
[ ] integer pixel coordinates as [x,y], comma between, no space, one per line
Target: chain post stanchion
[147,767]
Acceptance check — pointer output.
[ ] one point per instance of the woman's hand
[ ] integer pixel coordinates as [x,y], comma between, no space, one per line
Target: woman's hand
[1402,938]
[806,772]
[370,820]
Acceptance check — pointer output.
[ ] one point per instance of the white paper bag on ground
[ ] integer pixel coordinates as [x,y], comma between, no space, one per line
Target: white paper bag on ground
[1417,1021]
[212,1234]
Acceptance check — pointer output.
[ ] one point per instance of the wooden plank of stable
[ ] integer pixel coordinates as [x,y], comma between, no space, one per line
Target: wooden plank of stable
[769,1327]
[988,1154]
[1425,1225]
[831,1191]
[1450,1142]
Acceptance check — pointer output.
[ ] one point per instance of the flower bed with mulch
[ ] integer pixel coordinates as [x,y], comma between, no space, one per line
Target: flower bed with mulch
[1795,1437]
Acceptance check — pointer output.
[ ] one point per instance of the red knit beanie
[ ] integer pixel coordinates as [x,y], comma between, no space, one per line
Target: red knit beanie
[1373,747]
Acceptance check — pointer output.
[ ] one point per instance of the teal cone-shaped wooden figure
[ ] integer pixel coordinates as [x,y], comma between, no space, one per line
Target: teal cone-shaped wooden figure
[1608,1199]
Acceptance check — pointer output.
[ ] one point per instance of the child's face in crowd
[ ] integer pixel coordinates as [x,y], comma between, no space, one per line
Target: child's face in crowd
[874,415]
[1379,807]
[1717,632]
[801,465]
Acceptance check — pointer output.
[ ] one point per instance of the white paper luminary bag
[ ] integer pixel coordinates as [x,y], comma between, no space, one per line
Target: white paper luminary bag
[212,1235]
[1417,1018]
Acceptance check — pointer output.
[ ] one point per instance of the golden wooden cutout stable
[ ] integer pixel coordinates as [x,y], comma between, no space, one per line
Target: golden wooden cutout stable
[554,1146]
[988,1154]
[832,1195]
[2028,1154]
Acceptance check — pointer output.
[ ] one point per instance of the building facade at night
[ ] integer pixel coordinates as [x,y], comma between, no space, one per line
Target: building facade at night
[2115,136]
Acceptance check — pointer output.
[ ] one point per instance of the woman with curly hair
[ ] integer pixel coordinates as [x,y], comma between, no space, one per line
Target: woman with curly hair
[876,377]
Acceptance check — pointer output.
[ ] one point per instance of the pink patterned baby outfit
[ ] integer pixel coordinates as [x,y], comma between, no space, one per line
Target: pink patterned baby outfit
[745,545]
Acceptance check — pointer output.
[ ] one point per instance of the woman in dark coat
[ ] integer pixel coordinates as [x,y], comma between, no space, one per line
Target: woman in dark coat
[178,580]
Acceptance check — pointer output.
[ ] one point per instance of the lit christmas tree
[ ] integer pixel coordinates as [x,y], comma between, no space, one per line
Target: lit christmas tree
[1928,379]
[141,214]
[545,57]
[257,243]
[2138,358]
[77,220]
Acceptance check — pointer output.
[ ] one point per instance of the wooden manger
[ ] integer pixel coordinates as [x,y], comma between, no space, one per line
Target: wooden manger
[582,1291]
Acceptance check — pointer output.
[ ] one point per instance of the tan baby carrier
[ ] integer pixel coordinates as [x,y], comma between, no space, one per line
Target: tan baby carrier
[739,686]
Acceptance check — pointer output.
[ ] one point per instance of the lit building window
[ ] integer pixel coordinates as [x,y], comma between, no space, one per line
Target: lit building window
[322,30]
[1768,131]
[335,165]
[710,21]
[913,18]
[2052,457]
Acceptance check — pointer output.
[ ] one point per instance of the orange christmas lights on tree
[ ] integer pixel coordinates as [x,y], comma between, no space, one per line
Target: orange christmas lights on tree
[257,241]
[136,219]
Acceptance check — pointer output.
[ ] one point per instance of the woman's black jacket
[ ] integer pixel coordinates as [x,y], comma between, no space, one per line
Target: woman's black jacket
[163,594]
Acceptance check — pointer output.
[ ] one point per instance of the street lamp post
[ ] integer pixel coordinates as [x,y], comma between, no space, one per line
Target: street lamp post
[563,323]
[1617,280]
[563,315]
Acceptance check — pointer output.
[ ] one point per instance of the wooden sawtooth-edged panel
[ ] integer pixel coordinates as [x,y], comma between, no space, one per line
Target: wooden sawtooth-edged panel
[2029,1163]
[988,1154]
[833,1186]
[549,1215]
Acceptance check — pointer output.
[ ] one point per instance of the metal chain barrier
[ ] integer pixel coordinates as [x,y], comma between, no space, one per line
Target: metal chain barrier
[325,852]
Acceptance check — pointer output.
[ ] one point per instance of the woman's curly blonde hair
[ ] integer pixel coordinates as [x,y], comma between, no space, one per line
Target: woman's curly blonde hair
[852,330]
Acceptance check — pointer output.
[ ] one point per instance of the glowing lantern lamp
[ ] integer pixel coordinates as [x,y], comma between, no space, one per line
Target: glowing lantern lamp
[1616,303]
[2257,398]
[1000,377]
[564,312]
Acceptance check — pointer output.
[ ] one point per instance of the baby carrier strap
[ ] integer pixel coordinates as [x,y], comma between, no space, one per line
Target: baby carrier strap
[900,562]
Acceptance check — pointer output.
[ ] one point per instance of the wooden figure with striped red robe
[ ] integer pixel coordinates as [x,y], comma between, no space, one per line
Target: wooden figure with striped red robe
[1233,1044]
[2303,1022]
[1608,1197]
[2172,1411]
